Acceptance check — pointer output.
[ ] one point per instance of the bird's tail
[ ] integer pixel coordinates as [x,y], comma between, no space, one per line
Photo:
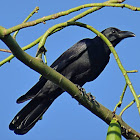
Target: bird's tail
[31,113]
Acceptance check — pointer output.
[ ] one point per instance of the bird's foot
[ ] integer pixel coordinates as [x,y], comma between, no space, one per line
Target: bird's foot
[82,90]
[90,97]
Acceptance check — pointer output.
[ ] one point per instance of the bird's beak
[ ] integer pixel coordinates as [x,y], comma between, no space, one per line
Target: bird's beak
[125,34]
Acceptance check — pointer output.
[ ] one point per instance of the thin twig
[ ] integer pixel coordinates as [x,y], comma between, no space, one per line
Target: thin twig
[5,50]
[29,16]
[132,71]
[24,48]
[130,104]
[121,98]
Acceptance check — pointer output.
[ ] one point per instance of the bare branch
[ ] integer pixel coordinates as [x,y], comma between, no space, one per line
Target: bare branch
[4,50]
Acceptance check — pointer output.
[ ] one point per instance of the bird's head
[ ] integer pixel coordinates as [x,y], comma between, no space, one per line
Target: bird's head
[115,35]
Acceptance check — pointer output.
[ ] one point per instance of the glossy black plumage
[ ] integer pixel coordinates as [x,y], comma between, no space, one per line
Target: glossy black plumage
[82,63]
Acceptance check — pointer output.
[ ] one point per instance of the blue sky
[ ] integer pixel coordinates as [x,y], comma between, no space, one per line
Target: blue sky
[65,119]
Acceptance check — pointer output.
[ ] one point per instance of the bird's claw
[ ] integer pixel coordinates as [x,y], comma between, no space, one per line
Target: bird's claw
[90,97]
[82,90]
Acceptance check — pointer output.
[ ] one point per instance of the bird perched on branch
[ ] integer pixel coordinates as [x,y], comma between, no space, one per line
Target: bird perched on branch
[81,63]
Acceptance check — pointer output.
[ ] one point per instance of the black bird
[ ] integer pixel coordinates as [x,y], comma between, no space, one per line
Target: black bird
[82,63]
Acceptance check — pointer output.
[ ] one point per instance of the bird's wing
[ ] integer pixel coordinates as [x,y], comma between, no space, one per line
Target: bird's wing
[70,55]
[63,61]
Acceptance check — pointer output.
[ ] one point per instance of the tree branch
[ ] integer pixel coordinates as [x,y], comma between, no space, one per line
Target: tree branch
[4,50]
[54,16]
[96,6]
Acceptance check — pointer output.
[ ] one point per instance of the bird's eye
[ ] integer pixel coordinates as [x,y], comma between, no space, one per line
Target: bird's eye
[113,31]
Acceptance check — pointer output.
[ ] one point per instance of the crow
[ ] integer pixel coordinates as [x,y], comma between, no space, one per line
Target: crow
[81,63]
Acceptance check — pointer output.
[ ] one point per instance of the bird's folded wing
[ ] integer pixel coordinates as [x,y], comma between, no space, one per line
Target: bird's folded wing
[63,61]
